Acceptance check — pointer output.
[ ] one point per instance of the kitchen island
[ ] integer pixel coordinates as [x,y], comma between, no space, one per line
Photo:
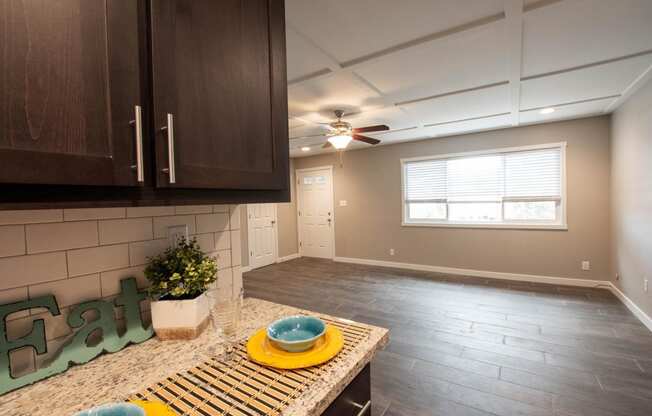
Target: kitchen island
[112,377]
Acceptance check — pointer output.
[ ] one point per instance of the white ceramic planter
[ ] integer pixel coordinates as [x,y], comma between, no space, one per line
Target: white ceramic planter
[180,319]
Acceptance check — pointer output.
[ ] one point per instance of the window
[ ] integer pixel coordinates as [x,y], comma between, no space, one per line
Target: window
[511,188]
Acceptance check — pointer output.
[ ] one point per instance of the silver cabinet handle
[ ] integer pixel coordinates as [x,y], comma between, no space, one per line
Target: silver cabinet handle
[170,130]
[363,409]
[140,170]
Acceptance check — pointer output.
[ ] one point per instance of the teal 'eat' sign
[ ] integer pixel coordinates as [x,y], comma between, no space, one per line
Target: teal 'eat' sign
[76,351]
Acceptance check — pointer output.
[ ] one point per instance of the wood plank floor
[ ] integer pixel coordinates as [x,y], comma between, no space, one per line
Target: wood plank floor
[473,346]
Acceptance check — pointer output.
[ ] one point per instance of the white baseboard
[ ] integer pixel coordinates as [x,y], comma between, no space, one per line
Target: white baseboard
[246,269]
[562,281]
[480,273]
[288,258]
[638,312]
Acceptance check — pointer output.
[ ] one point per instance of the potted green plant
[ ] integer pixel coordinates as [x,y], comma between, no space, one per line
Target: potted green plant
[178,279]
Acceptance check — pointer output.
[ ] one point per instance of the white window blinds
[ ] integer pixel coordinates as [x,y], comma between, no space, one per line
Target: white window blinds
[516,175]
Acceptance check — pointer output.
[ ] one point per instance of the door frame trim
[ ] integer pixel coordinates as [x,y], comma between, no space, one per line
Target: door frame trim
[250,235]
[299,192]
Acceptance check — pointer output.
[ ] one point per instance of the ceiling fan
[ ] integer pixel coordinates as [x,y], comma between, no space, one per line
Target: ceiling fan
[342,133]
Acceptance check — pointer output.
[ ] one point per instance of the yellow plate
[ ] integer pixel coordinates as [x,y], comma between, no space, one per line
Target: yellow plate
[263,351]
[153,408]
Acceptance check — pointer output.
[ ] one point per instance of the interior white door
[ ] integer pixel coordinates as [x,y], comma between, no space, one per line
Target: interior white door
[316,220]
[262,234]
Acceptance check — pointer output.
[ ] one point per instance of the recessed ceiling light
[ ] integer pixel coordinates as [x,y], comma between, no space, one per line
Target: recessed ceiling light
[305,149]
[547,110]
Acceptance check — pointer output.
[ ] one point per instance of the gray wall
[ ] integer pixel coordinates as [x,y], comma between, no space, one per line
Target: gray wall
[371,223]
[287,225]
[631,182]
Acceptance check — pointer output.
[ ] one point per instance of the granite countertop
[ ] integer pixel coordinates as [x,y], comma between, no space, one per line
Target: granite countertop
[112,377]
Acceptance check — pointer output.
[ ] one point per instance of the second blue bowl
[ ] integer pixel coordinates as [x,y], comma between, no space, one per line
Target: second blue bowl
[296,333]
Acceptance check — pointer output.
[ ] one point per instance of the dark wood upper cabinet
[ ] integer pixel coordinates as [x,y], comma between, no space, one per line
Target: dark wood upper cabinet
[220,94]
[70,81]
[142,102]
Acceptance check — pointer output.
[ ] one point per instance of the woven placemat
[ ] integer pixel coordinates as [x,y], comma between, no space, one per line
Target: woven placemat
[241,387]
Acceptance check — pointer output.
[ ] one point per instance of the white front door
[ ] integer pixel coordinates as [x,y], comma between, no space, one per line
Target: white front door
[315,211]
[261,224]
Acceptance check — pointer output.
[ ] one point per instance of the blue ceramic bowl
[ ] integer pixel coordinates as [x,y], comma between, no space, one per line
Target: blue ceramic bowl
[114,409]
[296,333]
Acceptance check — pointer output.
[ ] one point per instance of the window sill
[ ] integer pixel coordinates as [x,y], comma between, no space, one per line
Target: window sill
[503,226]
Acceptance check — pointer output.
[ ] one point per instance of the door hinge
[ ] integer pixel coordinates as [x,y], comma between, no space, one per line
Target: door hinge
[251,253]
[300,244]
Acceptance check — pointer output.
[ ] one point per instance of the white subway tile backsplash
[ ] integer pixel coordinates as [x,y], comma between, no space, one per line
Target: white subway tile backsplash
[192,209]
[222,240]
[32,269]
[69,291]
[161,224]
[31,216]
[235,216]
[212,223]
[82,254]
[61,236]
[236,255]
[12,240]
[223,259]
[133,212]
[122,231]
[206,242]
[83,214]
[98,259]
[111,280]
[141,251]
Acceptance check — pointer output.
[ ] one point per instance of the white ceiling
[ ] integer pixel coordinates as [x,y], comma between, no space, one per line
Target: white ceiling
[430,68]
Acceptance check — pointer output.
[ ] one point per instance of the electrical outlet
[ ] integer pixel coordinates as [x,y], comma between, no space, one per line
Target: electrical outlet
[586,265]
[645,284]
[176,233]
[391,251]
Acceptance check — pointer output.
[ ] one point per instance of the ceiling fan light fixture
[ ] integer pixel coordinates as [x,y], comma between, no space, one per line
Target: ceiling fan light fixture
[340,141]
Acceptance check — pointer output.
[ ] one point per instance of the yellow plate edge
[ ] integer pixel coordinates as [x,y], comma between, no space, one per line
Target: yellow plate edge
[301,360]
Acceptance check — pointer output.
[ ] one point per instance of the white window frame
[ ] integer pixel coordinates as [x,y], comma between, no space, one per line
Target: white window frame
[560,224]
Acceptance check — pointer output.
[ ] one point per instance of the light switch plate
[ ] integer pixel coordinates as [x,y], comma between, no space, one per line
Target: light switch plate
[176,233]
[343,203]
[586,265]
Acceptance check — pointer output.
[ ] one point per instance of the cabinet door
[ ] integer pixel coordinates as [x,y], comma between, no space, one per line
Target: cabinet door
[220,93]
[69,87]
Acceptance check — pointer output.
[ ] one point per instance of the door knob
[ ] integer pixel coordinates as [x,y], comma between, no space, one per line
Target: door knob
[273,222]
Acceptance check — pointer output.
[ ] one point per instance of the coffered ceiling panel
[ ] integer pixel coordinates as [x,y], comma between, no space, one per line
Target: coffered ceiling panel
[583,84]
[302,57]
[469,59]
[578,32]
[351,29]
[468,126]
[444,67]
[341,90]
[472,104]
[566,111]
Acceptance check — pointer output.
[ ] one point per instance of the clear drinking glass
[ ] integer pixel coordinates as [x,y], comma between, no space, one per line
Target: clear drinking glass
[225,318]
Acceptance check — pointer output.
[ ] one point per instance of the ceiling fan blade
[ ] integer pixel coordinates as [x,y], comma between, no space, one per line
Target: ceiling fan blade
[327,145]
[369,129]
[365,139]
